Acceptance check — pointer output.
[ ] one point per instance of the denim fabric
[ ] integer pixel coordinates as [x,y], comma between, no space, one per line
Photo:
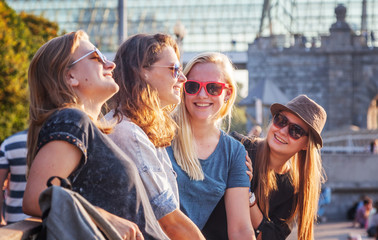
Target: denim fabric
[154,165]
[106,177]
[224,168]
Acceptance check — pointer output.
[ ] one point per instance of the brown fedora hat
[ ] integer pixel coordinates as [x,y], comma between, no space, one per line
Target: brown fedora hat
[306,109]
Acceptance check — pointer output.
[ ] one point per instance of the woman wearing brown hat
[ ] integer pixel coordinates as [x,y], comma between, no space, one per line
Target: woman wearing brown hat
[287,170]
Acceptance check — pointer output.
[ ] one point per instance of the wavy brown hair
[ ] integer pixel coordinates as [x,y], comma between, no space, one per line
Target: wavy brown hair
[136,99]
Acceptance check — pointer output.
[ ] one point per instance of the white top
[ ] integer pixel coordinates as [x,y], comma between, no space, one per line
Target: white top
[153,164]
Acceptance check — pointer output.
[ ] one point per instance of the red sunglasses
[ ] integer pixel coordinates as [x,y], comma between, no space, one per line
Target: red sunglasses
[193,87]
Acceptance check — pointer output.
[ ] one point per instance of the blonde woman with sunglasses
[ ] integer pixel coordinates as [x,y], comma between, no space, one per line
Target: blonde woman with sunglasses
[149,75]
[287,170]
[209,163]
[69,81]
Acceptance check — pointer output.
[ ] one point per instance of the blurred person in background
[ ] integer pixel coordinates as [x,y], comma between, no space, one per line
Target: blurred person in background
[255,131]
[373,221]
[13,163]
[363,213]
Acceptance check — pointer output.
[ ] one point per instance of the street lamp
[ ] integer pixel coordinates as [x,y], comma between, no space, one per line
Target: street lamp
[179,31]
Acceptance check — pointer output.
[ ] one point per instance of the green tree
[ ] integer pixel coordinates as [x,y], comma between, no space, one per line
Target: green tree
[20,36]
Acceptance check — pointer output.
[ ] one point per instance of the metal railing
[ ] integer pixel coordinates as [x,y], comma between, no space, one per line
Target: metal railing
[350,141]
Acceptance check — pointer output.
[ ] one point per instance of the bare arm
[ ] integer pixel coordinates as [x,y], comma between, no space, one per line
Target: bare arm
[3,176]
[178,226]
[59,158]
[56,158]
[256,216]
[127,229]
[238,220]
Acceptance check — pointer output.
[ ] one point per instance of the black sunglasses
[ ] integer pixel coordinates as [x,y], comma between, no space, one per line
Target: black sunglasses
[295,131]
[193,87]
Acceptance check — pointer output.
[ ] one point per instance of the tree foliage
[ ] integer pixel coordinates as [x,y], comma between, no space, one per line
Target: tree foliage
[20,36]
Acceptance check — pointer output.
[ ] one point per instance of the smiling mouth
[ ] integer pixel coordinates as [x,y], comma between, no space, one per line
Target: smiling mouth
[202,104]
[279,139]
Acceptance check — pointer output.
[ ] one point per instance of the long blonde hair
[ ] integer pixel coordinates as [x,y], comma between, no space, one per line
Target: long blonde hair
[306,176]
[136,99]
[49,91]
[183,146]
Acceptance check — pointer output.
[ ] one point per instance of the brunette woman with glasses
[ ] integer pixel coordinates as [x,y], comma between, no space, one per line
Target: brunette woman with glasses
[287,170]
[69,81]
[149,75]
[209,163]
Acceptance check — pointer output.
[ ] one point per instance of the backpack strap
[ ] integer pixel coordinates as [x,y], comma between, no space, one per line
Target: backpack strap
[64,182]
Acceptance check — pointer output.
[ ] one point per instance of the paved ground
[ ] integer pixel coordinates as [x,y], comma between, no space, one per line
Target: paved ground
[335,231]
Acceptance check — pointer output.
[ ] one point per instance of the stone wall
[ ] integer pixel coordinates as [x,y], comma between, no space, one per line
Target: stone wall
[349,176]
[341,74]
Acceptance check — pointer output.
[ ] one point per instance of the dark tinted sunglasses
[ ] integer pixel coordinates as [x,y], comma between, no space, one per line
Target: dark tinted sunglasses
[193,87]
[295,131]
[176,69]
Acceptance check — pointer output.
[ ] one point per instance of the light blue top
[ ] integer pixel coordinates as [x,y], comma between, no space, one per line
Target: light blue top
[224,168]
[153,164]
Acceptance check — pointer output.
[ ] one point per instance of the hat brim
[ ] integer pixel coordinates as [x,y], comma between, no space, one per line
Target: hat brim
[276,108]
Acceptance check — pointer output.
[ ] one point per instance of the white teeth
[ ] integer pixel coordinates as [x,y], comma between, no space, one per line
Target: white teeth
[202,104]
[280,139]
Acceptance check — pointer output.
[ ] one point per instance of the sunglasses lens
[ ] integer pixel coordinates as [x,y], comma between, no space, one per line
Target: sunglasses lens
[102,56]
[214,89]
[280,120]
[296,131]
[176,70]
[192,87]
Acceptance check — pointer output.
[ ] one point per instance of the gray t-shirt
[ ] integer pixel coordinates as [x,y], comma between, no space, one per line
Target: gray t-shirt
[224,168]
[106,177]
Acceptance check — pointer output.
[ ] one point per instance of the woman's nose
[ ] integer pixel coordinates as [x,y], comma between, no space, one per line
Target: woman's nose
[110,64]
[202,92]
[181,77]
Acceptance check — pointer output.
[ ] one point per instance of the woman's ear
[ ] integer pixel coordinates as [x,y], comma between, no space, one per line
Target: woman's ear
[71,80]
[228,94]
[145,74]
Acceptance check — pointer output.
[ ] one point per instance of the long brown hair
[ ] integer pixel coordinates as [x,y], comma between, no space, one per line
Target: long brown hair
[306,176]
[136,99]
[49,91]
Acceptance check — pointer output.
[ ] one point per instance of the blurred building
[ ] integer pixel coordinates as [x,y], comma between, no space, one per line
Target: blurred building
[291,46]
[216,25]
[341,74]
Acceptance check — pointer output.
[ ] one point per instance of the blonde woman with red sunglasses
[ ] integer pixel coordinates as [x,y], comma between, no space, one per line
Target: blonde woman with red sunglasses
[287,170]
[210,164]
